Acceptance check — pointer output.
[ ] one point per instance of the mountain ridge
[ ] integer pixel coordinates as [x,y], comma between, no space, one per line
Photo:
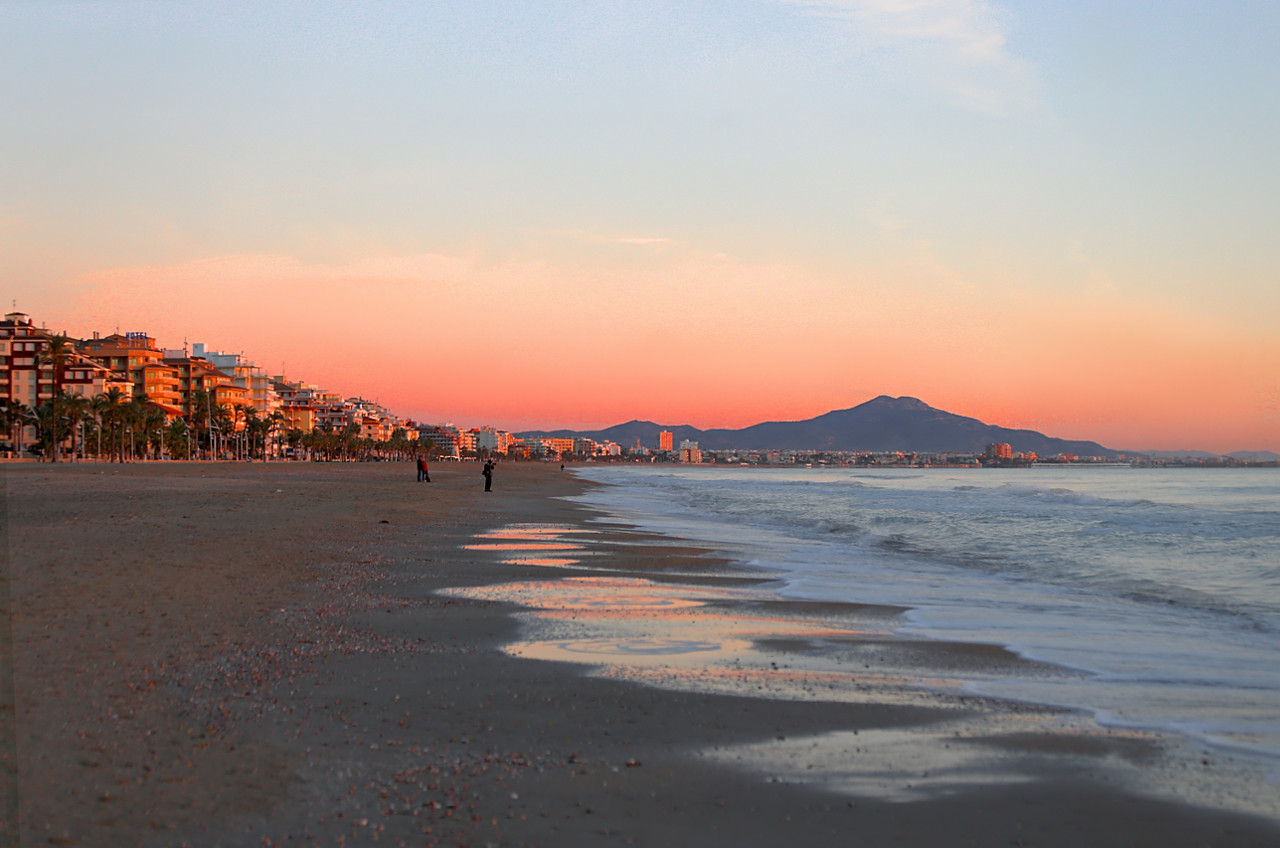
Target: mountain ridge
[882,424]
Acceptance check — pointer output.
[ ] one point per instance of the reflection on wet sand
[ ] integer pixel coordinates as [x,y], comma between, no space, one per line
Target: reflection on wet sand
[534,531]
[594,594]
[566,546]
[720,634]
[715,631]
[542,538]
[523,546]
[635,651]
[680,634]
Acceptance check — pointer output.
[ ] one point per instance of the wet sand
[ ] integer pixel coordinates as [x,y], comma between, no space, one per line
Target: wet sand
[317,654]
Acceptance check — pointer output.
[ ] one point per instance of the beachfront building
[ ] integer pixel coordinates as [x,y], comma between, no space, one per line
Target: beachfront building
[375,428]
[523,449]
[492,440]
[558,446]
[298,403]
[443,436]
[28,379]
[334,413]
[466,442]
[260,389]
[548,447]
[332,410]
[197,375]
[535,448]
[376,421]
[666,441]
[689,452]
[136,356]
[999,451]
[159,382]
[122,352]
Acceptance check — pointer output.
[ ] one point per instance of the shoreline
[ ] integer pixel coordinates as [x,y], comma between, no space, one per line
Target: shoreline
[741,641]
[241,654]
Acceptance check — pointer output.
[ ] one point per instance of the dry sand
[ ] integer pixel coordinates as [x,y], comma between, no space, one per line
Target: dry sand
[230,654]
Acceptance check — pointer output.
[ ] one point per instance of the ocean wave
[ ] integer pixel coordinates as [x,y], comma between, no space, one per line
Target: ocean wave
[1069,496]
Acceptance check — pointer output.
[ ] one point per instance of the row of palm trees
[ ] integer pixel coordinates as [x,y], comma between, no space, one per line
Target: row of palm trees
[118,428]
[111,425]
[121,427]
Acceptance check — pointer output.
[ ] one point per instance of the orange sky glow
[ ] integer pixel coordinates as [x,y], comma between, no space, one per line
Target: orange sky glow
[713,343]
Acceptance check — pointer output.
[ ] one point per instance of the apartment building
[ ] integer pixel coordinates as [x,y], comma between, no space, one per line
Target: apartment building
[260,388]
[445,437]
[196,374]
[689,452]
[136,356]
[492,440]
[297,403]
[27,379]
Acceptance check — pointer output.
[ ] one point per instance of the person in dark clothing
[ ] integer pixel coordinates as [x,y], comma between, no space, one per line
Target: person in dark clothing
[488,475]
[423,473]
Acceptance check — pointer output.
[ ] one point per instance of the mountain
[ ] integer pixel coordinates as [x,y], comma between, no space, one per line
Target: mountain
[883,424]
[1243,456]
[1255,456]
[1180,454]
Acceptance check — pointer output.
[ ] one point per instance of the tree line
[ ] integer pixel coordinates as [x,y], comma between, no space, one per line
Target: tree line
[117,428]
[120,428]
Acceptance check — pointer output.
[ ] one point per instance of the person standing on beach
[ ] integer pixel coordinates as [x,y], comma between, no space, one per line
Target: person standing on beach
[488,475]
[423,472]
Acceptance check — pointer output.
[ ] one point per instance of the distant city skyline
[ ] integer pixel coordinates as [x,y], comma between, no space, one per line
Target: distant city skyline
[561,215]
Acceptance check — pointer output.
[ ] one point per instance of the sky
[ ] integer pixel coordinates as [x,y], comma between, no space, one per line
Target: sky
[573,214]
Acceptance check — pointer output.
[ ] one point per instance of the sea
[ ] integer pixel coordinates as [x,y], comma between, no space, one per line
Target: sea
[1159,586]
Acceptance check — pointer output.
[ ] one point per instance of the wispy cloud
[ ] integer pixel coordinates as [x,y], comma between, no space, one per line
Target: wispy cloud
[964,44]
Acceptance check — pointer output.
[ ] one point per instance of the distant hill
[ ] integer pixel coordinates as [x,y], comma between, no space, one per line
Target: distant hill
[883,424]
[1243,456]
[1256,456]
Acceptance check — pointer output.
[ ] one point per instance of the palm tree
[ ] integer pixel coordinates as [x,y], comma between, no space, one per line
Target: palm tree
[110,408]
[76,409]
[220,422]
[252,427]
[174,436]
[349,439]
[294,439]
[199,413]
[51,428]
[20,415]
[131,423]
[239,417]
[274,426]
[57,355]
[150,420]
[310,442]
[6,417]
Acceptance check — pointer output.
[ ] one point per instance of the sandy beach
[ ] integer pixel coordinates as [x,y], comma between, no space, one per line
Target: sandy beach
[268,654]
